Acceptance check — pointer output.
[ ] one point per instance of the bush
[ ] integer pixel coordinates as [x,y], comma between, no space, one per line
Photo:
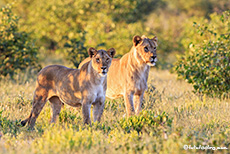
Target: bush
[8,126]
[147,121]
[111,22]
[17,50]
[76,50]
[206,64]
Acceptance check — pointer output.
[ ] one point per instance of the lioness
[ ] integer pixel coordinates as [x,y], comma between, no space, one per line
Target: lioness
[75,87]
[128,75]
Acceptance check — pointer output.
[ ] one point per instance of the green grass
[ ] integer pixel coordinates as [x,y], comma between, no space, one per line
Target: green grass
[172,117]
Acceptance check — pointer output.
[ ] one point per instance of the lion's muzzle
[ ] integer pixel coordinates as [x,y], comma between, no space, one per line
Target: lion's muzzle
[103,70]
[152,61]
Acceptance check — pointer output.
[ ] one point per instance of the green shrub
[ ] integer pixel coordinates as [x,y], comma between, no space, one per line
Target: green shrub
[111,22]
[206,64]
[8,126]
[147,121]
[76,50]
[17,50]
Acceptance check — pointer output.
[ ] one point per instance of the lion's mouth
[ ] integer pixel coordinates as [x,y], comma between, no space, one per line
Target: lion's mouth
[153,61]
[103,73]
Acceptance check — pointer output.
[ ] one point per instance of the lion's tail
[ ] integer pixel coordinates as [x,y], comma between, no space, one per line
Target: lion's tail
[23,123]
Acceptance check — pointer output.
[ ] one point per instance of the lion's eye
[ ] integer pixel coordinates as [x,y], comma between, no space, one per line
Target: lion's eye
[98,60]
[146,49]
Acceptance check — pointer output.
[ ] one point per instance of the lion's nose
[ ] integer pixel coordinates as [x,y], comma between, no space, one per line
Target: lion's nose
[103,67]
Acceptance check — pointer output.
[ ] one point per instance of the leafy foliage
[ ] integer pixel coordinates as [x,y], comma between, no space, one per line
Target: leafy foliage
[147,121]
[76,50]
[17,50]
[6,125]
[60,19]
[113,23]
[206,63]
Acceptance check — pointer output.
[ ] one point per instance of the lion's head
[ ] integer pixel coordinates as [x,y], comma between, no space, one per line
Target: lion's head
[101,59]
[145,49]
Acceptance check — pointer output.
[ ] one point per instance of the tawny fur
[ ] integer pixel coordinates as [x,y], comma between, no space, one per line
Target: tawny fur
[128,75]
[75,87]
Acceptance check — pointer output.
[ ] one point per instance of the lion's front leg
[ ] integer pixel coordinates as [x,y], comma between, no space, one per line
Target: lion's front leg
[86,105]
[129,103]
[98,108]
[138,98]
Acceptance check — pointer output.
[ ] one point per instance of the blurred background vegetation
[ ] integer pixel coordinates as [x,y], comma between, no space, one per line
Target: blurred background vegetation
[194,39]
[65,29]
[55,23]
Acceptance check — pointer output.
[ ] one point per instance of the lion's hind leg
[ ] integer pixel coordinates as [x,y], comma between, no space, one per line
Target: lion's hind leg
[24,122]
[56,105]
[39,102]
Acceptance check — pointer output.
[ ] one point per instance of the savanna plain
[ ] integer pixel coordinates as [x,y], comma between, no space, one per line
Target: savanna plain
[193,43]
[172,117]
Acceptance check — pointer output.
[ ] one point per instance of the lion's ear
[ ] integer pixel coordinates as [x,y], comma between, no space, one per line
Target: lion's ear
[111,52]
[155,39]
[92,52]
[136,40]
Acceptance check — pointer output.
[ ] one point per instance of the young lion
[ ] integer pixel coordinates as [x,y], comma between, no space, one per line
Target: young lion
[128,75]
[75,87]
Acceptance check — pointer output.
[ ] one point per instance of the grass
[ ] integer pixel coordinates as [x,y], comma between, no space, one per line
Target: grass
[172,117]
